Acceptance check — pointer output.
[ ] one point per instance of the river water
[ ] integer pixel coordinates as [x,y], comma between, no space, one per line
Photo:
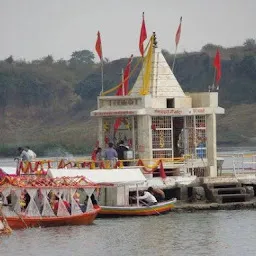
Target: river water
[208,233]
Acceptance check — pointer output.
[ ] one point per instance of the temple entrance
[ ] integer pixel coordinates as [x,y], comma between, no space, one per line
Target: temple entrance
[120,128]
[178,144]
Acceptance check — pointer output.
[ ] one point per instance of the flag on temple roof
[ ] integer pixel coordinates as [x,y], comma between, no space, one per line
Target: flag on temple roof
[217,65]
[123,89]
[98,46]
[178,33]
[143,35]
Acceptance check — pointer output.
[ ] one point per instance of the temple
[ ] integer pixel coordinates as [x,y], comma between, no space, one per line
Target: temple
[158,120]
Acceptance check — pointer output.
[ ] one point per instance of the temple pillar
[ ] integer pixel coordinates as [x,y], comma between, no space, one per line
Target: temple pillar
[211,145]
[144,137]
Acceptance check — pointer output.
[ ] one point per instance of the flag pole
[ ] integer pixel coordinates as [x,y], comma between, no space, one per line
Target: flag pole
[143,60]
[102,77]
[173,64]
[213,82]
[122,81]
[177,40]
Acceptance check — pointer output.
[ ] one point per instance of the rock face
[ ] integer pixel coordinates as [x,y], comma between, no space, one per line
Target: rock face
[250,190]
[198,194]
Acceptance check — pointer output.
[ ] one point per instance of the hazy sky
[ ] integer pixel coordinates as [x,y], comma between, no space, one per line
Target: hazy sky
[32,29]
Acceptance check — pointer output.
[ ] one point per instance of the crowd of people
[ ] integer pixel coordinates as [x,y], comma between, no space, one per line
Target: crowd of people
[111,153]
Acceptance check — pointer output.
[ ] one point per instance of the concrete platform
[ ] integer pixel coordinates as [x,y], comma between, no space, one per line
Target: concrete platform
[182,206]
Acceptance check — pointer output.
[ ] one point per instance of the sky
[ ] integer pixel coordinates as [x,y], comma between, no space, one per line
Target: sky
[32,29]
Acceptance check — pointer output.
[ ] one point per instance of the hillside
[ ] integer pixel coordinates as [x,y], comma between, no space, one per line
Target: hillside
[46,103]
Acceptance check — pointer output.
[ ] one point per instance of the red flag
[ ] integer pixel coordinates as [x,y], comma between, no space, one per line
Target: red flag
[143,35]
[98,46]
[117,123]
[217,65]
[123,90]
[177,37]
[161,170]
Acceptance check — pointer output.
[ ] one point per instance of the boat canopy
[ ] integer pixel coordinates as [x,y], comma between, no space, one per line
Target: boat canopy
[102,176]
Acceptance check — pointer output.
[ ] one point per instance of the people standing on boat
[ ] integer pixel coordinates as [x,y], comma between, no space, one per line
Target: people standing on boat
[158,193]
[120,152]
[31,153]
[111,154]
[148,198]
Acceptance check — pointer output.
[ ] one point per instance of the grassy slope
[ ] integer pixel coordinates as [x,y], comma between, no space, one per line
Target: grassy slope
[236,127]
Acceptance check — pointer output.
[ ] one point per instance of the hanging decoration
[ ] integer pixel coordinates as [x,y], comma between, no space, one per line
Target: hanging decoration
[106,126]
[161,139]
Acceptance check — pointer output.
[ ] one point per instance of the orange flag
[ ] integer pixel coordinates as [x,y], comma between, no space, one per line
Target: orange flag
[217,65]
[177,37]
[98,46]
[123,90]
[143,35]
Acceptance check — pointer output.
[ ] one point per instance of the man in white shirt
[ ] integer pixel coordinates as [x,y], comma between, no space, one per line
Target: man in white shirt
[31,153]
[23,154]
[148,197]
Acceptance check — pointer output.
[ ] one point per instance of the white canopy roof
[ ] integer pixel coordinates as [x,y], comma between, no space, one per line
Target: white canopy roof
[113,176]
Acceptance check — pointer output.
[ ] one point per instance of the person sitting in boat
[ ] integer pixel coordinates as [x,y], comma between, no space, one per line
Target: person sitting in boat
[94,203]
[56,205]
[24,200]
[24,156]
[158,193]
[148,198]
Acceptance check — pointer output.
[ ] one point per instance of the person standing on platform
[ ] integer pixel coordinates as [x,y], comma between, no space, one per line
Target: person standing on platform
[120,152]
[111,154]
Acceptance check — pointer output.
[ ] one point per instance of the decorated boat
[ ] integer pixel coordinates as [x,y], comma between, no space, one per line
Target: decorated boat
[43,202]
[118,186]
[138,210]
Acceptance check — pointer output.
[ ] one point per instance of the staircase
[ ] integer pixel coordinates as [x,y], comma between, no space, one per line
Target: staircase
[221,191]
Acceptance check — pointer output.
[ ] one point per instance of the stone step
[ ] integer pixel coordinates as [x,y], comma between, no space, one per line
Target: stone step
[227,198]
[224,191]
[223,185]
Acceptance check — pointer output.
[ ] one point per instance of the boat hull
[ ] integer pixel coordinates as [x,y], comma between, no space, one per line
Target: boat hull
[115,211]
[21,222]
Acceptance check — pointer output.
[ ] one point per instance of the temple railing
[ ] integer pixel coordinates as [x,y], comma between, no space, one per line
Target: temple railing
[41,167]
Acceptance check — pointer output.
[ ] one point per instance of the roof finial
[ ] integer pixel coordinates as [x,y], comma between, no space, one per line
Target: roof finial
[155,41]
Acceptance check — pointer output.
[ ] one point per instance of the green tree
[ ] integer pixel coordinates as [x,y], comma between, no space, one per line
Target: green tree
[48,60]
[82,57]
[250,44]
[9,60]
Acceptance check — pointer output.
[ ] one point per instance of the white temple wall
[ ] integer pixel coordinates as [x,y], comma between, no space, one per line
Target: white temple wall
[183,102]
[204,99]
